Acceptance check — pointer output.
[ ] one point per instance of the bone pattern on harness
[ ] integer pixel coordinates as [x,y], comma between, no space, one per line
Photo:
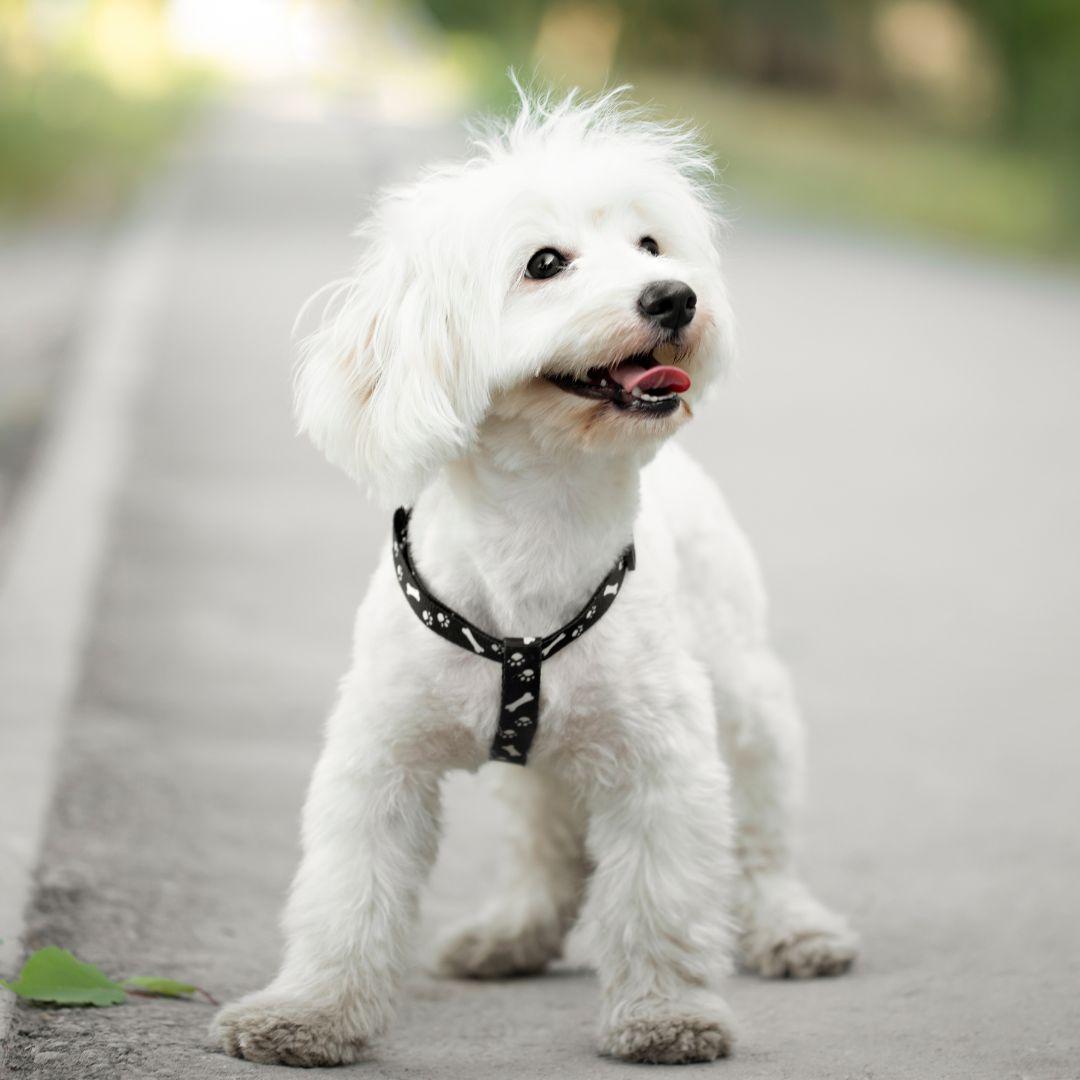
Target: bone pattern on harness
[519,709]
[520,658]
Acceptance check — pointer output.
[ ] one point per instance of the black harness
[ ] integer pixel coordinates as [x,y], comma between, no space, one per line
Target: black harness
[521,658]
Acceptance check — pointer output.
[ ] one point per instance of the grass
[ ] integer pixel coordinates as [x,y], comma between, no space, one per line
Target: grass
[842,161]
[68,140]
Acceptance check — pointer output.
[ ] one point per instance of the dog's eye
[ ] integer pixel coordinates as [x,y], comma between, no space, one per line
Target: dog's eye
[547,262]
[647,243]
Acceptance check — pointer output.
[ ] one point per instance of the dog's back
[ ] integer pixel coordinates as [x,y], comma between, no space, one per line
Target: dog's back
[716,574]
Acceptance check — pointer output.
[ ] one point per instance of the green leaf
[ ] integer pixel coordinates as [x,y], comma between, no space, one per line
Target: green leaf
[53,974]
[149,984]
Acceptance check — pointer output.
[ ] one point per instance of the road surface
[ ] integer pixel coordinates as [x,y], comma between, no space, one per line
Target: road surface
[900,440]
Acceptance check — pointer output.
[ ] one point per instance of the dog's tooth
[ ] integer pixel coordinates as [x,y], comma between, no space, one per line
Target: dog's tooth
[664,354]
[603,382]
[636,392]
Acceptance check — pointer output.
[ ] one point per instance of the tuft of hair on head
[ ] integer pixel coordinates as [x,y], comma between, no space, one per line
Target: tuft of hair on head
[547,120]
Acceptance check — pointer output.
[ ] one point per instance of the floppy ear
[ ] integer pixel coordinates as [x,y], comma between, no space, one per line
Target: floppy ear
[395,381]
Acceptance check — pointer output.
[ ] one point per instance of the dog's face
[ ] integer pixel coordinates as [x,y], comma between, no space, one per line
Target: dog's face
[616,318]
[564,287]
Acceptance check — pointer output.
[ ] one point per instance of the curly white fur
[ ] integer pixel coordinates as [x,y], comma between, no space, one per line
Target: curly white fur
[662,782]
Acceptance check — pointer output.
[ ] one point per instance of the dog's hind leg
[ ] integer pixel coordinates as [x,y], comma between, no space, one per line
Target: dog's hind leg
[785,930]
[523,926]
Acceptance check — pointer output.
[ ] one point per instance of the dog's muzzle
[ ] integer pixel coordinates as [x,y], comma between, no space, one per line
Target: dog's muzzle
[638,384]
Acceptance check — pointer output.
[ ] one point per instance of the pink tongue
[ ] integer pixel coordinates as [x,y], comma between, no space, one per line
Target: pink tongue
[670,379]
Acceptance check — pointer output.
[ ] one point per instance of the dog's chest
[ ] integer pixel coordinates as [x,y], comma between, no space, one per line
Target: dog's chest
[588,697]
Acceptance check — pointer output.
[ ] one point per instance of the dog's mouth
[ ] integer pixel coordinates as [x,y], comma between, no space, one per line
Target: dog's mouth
[639,383]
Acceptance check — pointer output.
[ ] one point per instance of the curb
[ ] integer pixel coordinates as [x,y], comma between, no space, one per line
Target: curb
[55,548]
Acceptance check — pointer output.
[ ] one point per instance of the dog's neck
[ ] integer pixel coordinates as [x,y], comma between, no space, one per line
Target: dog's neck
[517,541]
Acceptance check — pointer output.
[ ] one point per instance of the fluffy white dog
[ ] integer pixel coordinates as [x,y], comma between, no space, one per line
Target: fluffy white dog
[522,335]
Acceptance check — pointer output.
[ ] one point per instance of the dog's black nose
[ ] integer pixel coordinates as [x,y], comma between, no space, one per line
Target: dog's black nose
[669,303]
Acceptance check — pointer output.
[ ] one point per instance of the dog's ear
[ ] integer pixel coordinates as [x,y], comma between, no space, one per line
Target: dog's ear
[393,383]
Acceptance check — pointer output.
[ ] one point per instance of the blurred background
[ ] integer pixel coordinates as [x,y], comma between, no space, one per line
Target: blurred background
[955,118]
[179,573]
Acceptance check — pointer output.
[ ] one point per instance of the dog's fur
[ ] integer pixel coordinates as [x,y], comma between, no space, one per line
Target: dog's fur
[660,789]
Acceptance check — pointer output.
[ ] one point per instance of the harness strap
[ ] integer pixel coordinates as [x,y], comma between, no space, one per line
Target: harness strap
[521,658]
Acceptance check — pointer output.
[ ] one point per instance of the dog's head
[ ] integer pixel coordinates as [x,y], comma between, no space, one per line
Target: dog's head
[565,281]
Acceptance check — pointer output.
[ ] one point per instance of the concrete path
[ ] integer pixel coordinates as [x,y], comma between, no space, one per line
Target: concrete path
[901,442]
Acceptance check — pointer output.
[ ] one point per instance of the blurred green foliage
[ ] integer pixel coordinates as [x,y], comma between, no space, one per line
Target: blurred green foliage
[87,102]
[839,161]
[1037,43]
[818,44]
[69,138]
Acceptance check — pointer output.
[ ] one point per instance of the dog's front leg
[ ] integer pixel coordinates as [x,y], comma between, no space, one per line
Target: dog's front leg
[660,839]
[370,835]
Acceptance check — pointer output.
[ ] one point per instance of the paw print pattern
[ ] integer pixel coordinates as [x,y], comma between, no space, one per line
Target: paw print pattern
[520,658]
[520,700]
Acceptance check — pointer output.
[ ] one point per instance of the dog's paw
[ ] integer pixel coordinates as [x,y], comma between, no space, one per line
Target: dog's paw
[665,1034]
[788,934]
[500,949]
[279,1031]
[802,954]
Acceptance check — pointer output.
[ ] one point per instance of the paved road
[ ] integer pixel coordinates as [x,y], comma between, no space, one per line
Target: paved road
[901,442]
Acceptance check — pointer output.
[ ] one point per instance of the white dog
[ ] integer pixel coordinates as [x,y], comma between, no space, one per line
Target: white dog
[523,333]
